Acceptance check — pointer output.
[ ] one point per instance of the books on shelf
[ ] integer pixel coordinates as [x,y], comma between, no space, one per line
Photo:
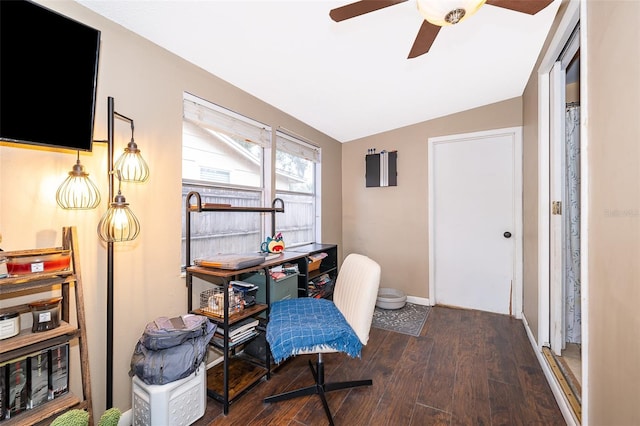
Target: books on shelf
[238,333]
[246,324]
[218,340]
[243,336]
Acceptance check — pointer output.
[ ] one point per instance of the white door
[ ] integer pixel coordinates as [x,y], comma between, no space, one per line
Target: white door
[556,179]
[475,184]
[561,216]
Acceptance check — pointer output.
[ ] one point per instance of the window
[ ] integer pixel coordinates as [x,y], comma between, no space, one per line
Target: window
[225,157]
[297,166]
[222,159]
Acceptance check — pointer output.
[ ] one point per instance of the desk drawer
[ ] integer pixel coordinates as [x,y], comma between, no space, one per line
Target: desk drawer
[284,288]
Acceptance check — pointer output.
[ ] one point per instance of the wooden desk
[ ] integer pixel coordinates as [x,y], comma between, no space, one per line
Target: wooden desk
[230,379]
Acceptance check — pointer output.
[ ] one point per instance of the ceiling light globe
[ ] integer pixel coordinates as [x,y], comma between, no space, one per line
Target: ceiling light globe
[448,12]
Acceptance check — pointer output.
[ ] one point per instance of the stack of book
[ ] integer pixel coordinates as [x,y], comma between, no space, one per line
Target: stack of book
[238,333]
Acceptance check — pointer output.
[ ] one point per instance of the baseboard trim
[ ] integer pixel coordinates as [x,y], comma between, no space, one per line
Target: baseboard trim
[418,300]
[561,399]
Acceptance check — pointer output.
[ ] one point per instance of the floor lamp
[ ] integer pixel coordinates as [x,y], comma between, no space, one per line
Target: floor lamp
[118,223]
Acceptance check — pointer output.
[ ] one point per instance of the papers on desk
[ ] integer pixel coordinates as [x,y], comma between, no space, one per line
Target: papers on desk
[230,261]
[244,286]
[270,256]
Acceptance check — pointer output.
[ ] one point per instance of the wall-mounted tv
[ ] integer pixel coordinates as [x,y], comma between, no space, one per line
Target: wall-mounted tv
[48,77]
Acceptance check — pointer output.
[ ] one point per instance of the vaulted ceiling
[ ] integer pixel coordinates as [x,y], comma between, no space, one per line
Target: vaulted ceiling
[348,79]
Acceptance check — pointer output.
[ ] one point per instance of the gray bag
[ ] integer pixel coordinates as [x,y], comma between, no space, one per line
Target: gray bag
[163,332]
[166,353]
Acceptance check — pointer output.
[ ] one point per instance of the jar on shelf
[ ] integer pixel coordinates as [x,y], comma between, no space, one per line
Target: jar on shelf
[4,271]
[9,324]
[46,314]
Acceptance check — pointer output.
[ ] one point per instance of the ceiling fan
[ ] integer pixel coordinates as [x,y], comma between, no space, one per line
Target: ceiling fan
[437,13]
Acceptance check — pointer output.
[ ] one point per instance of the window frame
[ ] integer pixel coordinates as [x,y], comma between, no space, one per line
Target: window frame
[309,151]
[204,114]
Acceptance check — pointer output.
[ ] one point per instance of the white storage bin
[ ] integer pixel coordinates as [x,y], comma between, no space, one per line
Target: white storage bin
[178,403]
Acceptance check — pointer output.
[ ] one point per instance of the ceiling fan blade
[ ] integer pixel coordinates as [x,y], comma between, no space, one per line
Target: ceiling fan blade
[530,7]
[360,8]
[426,35]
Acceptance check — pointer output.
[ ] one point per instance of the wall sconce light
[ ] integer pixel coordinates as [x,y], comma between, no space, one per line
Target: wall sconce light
[78,192]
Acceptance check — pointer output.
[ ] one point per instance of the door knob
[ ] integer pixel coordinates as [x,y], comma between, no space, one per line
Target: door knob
[507,234]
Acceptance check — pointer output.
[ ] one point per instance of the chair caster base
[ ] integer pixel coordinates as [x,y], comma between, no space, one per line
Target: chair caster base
[319,388]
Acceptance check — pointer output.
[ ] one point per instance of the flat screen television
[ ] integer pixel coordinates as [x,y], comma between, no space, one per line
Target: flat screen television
[48,77]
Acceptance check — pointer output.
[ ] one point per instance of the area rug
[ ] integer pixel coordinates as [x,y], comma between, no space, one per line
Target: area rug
[406,320]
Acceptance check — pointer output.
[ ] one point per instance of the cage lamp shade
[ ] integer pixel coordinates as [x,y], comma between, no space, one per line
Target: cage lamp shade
[131,165]
[448,12]
[78,192]
[118,223]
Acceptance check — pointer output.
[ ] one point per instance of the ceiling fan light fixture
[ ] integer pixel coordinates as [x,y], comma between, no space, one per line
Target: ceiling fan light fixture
[448,12]
[455,16]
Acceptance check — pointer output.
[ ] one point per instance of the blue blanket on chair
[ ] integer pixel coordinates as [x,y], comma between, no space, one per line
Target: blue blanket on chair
[299,325]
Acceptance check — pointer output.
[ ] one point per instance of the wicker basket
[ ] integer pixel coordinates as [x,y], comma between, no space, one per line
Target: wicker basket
[314,265]
[315,260]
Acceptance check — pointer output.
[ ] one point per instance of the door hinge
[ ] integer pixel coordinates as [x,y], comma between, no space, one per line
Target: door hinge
[556,207]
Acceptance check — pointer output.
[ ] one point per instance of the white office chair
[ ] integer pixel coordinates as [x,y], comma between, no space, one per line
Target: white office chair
[308,325]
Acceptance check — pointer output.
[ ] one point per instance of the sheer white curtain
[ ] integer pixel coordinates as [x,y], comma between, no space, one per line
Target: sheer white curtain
[573,312]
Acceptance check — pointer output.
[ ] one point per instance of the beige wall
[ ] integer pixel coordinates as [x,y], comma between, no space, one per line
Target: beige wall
[530,204]
[390,224]
[147,83]
[613,88]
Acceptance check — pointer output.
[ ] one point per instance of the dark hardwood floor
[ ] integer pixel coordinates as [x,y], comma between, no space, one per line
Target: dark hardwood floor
[466,368]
